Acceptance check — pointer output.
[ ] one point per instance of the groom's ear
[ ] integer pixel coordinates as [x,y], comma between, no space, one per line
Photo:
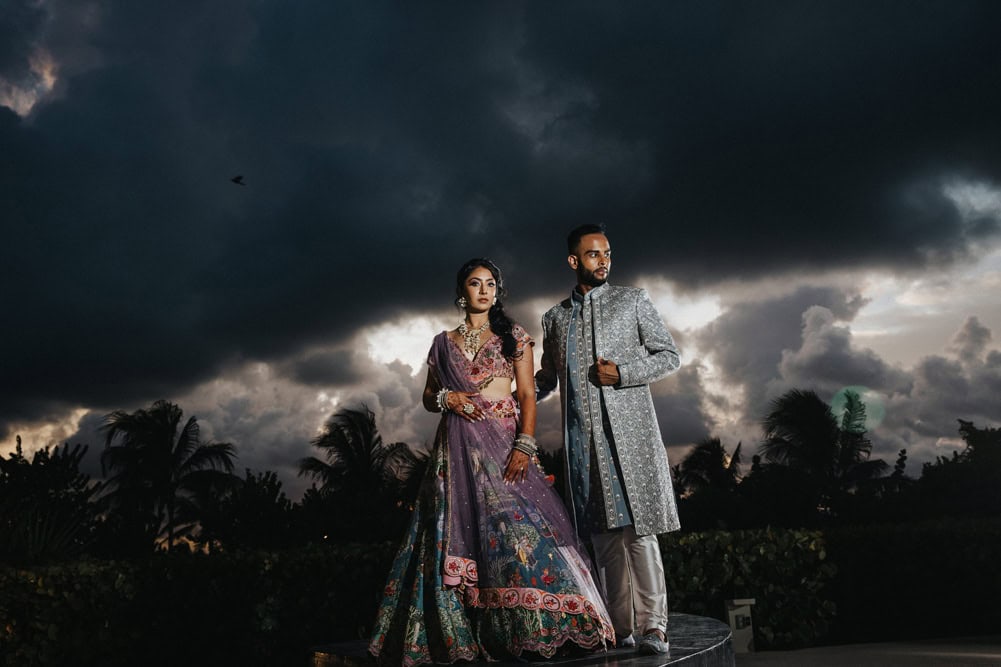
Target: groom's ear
[572,261]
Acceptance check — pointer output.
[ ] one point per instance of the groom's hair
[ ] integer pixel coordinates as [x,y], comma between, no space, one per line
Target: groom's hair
[577,233]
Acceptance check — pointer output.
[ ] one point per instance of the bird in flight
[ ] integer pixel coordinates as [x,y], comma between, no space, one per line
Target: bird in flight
[238,180]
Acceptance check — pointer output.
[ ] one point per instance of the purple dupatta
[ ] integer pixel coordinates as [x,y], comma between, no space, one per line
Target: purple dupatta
[477,497]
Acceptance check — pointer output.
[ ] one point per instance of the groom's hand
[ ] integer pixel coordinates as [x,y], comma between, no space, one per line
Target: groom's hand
[605,372]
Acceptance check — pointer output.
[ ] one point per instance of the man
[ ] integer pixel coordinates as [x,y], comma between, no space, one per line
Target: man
[604,345]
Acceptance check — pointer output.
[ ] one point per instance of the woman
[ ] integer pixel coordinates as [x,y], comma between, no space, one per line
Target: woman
[490,566]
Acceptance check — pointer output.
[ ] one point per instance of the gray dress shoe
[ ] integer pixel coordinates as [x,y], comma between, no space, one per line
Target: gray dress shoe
[624,641]
[651,644]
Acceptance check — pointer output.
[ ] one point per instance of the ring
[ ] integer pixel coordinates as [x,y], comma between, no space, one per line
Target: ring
[468,408]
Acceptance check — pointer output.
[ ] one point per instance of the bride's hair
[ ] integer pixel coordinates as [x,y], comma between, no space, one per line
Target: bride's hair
[500,323]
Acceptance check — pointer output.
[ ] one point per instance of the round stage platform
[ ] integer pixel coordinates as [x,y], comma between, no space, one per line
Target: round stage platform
[696,641]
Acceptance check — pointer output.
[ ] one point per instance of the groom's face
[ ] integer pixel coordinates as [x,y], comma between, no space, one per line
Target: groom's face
[592,261]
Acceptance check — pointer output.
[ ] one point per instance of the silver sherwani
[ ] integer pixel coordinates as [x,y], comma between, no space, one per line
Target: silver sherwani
[622,326]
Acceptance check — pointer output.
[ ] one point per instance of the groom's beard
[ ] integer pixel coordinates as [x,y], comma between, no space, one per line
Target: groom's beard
[585,277]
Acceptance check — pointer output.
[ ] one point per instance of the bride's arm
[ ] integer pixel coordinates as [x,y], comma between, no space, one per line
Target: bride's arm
[518,461]
[431,387]
[525,390]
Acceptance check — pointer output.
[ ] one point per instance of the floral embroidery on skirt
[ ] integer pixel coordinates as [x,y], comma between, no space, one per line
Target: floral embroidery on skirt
[486,569]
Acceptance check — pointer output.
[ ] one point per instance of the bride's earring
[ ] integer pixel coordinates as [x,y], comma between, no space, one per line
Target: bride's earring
[463,302]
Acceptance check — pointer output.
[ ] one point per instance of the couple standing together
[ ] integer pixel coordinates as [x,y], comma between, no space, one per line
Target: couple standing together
[493,564]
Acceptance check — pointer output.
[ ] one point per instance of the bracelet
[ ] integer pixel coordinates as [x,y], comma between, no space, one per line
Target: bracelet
[442,400]
[525,444]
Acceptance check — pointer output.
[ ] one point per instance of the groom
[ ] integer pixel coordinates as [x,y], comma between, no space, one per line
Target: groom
[604,345]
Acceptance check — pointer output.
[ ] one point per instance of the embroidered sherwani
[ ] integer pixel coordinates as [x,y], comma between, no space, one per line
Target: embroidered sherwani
[619,324]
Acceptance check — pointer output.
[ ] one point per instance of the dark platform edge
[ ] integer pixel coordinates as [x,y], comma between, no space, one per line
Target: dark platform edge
[696,641]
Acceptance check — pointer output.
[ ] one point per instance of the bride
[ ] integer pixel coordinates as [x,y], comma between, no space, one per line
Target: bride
[490,567]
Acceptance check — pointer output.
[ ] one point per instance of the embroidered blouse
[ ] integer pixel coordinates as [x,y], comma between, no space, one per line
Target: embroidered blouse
[490,362]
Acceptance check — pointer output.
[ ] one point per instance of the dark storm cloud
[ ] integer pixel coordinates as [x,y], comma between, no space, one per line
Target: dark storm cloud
[971,341]
[21,22]
[324,368]
[827,360]
[382,145]
[148,267]
[549,424]
[916,406]
[967,387]
[683,420]
[796,341]
[943,390]
[748,341]
[793,134]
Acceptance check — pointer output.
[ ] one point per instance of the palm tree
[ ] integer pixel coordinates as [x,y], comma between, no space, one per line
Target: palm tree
[707,483]
[854,448]
[367,480]
[803,435]
[156,464]
[801,432]
[708,465]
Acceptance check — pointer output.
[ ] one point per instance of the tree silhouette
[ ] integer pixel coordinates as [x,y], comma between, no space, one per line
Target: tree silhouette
[708,465]
[707,479]
[367,485]
[966,484]
[801,432]
[802,435]
[983,445]
[254,513]
[900,465]
[47,506]
[155,468]
[854,467]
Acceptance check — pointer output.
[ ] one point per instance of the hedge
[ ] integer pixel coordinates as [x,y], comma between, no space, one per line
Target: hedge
[252,608]
[192,609]
[786,572]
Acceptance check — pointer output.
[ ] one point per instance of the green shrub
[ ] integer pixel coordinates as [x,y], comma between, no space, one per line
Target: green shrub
[249,608]
[48,615]
[898,581]
[785,571]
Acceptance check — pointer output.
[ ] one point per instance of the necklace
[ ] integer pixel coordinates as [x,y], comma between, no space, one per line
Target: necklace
[471,337]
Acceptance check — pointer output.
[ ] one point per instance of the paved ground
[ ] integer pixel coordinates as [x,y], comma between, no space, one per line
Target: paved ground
[972,651]
[978,651]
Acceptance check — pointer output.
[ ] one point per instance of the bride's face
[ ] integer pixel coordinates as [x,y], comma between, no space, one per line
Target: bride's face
[480,290]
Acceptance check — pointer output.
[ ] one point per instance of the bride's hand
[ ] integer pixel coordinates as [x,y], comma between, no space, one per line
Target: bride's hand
[458,402]
[517,466]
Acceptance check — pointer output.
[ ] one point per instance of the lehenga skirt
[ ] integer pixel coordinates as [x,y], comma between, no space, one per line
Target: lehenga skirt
[486,569]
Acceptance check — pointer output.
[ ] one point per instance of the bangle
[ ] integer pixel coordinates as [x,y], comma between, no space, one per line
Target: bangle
[526,444]
[518,447]
[442,400]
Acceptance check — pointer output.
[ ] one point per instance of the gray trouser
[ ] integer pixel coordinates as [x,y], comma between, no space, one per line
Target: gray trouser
[632,574]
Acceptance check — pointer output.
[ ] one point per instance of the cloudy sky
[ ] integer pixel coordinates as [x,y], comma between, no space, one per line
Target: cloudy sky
[810,191]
